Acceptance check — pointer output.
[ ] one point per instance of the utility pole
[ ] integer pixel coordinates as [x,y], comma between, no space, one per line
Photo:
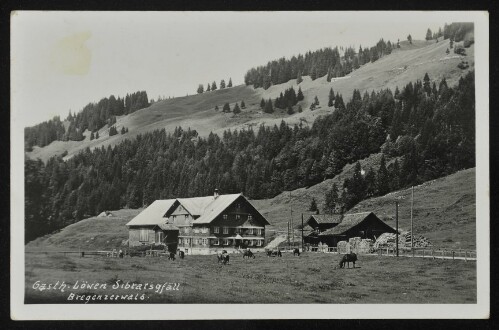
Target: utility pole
[302,232]
[291,227]
[288,233]
[412,228]
[397,226]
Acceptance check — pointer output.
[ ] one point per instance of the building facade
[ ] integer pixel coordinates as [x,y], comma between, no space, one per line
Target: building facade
[200,225]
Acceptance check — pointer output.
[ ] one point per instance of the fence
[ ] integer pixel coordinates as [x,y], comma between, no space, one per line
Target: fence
[459,254]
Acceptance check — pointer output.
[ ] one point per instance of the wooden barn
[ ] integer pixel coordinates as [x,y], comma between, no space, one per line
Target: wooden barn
[363,225]
[316,224]
[200,225]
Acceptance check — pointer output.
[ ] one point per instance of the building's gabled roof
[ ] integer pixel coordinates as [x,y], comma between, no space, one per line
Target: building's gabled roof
[349,221]
[153,214]
[326,218]
[207,208]
[197,205]
[167,226]
[217,206]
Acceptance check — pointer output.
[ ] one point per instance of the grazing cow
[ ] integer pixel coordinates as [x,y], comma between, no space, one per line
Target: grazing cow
[223,258]
[248,254]
[347,258]
[296,251]
[269,253]
[171,256]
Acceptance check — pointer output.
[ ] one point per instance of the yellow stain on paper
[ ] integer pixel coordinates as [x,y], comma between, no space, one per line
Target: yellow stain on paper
[71,56]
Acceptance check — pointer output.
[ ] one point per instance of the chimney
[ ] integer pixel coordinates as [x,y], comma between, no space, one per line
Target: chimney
[216,194]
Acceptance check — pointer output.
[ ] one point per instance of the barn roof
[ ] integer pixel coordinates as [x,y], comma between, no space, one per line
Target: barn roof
[153,214]
[167,226]
[326,218]
[349,221]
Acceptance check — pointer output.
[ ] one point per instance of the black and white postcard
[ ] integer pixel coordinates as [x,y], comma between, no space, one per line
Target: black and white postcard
[269,165]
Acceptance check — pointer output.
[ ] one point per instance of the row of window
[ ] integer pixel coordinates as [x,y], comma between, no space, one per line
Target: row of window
[248,231]
[216,241]
[238,217]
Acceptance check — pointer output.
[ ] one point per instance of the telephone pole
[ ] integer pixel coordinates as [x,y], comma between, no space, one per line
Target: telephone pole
[412,228]
[397,227]
[302,232]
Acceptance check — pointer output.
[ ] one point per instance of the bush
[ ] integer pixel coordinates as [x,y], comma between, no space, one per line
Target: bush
[460,50]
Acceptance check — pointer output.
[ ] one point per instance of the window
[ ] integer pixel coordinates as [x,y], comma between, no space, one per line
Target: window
[238,217]
[159,237]
[226,230]
[250,243]
[174,217]
[259,232]
[187,230]
[204,230]
[238,206]
[250,217]
[216,241]
[205,241]
[186,216]
[180,241]
[144,235]
[216,230]
[225,242]
[186,241]
[250,231]
[238,230]
[259,242]
[196,230]
[225,216]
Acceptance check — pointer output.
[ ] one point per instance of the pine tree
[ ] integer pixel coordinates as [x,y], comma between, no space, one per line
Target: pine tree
[426,84]
[92,136]
[213,86]
[313,206]
[208,87]
[316,101]
[331,98]
[243,106]
[300,108]
[451,43]
[398,43]
[123,130]
[262,103]
[299,96]
[236,109]
[216,107]
[222,84]
[332,200]
[96,135]
[200,89]
[409,38]
[230,83]
[428,35]
[290,110]
[299,79]
[383,180]
[226,107]
[268,106]
[447,51]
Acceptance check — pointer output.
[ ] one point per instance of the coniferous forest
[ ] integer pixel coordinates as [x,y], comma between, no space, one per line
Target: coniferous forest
[93,117]
[426,129]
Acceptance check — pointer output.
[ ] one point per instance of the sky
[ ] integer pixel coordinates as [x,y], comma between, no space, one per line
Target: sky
[61,61]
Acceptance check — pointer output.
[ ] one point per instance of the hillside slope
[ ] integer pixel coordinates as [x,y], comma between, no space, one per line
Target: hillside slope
[444,212]
[409,63]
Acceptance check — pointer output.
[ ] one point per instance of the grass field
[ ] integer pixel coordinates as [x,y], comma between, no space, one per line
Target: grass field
[310,278]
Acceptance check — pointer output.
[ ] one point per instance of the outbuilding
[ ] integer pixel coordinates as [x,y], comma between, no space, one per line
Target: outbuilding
[363,225]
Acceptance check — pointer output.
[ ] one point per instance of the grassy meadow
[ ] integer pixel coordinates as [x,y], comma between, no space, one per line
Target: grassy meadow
[310,278]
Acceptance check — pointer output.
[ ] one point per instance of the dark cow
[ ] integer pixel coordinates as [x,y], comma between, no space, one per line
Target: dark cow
[171,256]
[248,254]
[348,258]
[296,252]
[274,253]
[223,258]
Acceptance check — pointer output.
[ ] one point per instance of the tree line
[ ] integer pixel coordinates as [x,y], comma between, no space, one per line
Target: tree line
[426,127]
[322,62]
[213,86]
[92,117]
